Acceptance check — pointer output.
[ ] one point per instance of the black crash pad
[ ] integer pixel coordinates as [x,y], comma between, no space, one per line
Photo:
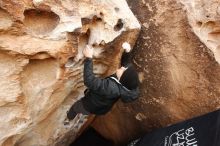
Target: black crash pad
[199,131]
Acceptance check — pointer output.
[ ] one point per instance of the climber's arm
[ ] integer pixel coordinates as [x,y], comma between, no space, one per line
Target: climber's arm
[125,59]
[126,56]
[90,80]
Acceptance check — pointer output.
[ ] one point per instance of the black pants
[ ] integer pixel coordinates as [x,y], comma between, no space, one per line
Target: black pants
[77,108]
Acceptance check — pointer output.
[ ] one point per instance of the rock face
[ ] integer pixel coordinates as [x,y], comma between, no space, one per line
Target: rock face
[180,75]
[204,18]
[41,42]
[41,62]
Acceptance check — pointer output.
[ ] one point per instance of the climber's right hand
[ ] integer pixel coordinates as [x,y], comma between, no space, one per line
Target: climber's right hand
[126,46]
[88,51]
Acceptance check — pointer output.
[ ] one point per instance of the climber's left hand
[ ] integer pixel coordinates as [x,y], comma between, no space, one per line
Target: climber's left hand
[88,51]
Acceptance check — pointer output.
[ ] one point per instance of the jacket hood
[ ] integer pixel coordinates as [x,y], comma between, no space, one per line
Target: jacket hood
[129,95]
[126,94]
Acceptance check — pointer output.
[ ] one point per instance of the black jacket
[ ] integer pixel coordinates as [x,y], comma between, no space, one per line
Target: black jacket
[102,93]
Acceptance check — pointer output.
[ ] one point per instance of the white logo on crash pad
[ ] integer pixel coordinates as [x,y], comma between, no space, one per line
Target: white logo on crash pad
[182,138]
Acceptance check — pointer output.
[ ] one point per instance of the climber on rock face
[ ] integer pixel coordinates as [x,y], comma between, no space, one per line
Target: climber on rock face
[101,94]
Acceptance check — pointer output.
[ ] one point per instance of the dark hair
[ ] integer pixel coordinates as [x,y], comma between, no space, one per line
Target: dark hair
[129,78]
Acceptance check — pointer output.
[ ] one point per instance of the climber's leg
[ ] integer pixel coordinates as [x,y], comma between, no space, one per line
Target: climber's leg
[76,108]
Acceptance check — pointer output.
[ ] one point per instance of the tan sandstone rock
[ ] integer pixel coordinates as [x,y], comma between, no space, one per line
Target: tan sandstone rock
[41,62]
[204,17]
